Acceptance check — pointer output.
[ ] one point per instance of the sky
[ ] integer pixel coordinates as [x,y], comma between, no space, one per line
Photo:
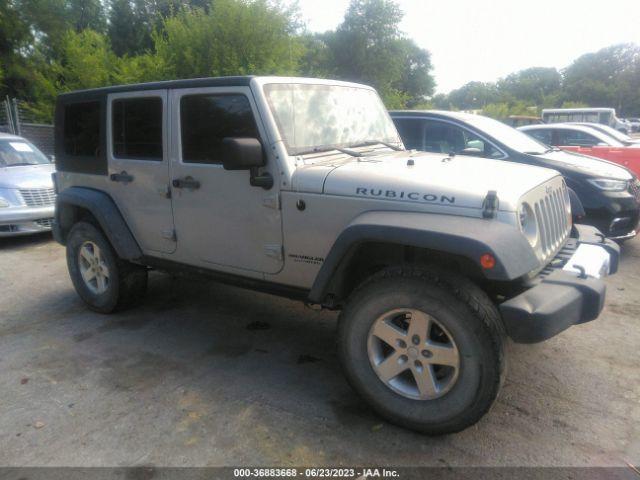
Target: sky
[483,40]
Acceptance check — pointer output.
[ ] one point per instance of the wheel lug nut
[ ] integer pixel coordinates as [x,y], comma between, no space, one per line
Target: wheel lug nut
[401,343]
[415,339]
[418,364]
[427,353]
[404,359]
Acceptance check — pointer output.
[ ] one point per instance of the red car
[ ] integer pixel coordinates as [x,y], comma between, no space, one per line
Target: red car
[588,141]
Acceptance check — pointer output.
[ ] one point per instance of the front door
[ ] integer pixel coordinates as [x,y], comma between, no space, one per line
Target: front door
[222,222]
[137,149]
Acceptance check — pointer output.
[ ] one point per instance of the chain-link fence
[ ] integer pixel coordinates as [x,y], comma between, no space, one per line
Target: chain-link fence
[16,118]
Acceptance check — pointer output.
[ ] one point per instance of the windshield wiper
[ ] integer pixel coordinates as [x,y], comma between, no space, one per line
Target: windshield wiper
[21,164]
[366,143]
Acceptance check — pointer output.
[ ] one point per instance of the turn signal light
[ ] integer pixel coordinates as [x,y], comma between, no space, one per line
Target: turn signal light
[487,261]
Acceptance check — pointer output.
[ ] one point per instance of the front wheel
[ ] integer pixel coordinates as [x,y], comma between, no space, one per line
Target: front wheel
[104,281]
[424,348]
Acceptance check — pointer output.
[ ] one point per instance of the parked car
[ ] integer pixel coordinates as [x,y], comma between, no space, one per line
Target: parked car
[634,122]
[623,138]
[27,198]
[605,116]
[588,141]
[301,187]
[609,194]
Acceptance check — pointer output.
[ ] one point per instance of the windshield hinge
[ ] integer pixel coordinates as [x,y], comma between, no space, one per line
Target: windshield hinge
[272,201]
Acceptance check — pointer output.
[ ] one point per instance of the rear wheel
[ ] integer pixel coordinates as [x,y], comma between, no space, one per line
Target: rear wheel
[105,282]
[424,348]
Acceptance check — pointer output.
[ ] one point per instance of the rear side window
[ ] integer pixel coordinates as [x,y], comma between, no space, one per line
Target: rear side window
[576,138]
[206,119]
[137,128]
[544,136]
[82,129]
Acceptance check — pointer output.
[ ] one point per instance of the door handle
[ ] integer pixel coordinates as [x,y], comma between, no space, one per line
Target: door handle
[123,177]
[186,182]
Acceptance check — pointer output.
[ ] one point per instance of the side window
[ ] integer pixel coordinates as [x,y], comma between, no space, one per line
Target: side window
[440,137]
[410,131]
[137,128]
[81,136]
[576,138]
[206,119]
[544,136]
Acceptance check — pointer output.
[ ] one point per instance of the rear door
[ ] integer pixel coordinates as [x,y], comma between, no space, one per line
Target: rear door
[139,166]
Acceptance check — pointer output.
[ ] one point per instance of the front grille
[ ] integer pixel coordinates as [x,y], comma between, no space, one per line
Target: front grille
[634,189]
[553,221]
[38,197]
[44,222]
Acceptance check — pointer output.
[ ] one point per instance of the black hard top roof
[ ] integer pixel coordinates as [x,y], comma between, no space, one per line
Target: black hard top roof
[242,81]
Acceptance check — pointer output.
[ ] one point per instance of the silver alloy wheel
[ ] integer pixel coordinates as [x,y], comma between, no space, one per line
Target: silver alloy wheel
[413,354]
[93,268]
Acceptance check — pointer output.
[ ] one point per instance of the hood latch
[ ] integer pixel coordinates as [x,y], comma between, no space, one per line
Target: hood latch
[490,204]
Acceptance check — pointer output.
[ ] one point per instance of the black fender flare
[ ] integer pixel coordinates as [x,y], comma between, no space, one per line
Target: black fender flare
[104,210]
[463,236]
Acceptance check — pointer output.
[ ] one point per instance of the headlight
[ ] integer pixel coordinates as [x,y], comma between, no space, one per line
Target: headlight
[528,223]
[8,197]
[4,202]
[608,184]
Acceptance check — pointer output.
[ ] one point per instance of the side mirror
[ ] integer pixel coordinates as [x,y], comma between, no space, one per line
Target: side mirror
[242,153]
[476,152]
[246,154]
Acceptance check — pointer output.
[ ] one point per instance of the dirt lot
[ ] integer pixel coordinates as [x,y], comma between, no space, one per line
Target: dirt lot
[205,374]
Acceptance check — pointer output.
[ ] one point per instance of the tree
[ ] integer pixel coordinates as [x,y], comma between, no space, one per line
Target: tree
[128,33]
[236,37]
[368,47]
[534,84]
[607,78]
[474,96]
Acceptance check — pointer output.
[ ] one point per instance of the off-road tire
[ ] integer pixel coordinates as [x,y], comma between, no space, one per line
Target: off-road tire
[127,281]
[463,309]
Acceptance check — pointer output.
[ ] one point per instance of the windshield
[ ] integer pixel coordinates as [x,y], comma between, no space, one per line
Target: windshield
[507,135]
[611,132]
[314,118]
[16,152]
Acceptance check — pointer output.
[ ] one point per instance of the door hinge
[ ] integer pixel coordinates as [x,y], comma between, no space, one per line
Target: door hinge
[274,251]
[169,234]
[271,201]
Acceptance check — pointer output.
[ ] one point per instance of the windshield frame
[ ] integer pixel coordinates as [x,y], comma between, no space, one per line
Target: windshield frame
[308,149]
[35,152]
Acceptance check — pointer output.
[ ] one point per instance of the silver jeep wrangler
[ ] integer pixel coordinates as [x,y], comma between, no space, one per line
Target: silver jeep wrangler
[302,188]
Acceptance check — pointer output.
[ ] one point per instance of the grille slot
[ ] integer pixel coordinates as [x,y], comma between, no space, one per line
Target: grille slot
[634,189]
[552,221]
[38,197]
[45,222]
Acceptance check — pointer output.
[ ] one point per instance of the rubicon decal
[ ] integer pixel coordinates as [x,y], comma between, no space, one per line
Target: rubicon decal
[400,195]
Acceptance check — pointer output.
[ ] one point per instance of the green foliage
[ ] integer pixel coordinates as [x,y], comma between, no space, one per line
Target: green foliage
[236,37]
[368,47]
[503,110]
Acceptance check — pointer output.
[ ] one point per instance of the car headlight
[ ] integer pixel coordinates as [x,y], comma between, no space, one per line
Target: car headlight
[608,184]
[528,223]
[4,202]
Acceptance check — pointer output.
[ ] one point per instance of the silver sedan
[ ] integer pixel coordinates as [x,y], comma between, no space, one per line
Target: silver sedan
[27,196]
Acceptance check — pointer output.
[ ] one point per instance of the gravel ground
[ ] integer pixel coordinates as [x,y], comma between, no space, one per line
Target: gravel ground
[203,374]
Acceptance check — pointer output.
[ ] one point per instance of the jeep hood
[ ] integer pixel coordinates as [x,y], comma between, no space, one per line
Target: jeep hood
[433,179]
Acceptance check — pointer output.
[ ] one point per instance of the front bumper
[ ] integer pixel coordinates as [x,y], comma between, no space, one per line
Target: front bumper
[25,220]
[556,298]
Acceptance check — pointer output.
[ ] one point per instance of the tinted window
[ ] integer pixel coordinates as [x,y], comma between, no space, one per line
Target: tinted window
[82,129]
[441,137]
[137,128]
[576,138]
[207,119]
[545,136]
[411,132]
